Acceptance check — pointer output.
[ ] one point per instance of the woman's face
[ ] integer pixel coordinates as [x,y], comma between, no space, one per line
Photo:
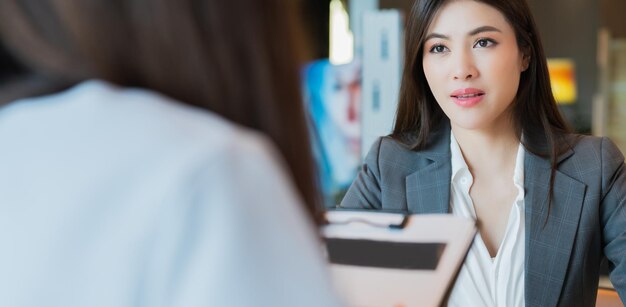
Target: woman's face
[472,64]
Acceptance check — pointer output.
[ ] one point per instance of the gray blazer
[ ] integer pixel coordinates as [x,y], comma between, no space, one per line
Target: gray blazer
[587,217]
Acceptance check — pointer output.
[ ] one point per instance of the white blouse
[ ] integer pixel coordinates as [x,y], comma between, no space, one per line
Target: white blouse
[122,197]
[482,280]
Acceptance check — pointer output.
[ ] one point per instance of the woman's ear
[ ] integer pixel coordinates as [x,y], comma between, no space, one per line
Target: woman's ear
[525,59]
[525,62]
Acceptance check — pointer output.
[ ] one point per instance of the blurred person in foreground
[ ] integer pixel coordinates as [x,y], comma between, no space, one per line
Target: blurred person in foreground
[154,153]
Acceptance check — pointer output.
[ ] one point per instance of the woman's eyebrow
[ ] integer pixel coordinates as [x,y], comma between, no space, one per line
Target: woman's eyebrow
[478,30]
[436,35]
[483,29]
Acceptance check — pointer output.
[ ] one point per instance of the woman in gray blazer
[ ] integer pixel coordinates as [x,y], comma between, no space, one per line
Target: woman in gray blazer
[478,134]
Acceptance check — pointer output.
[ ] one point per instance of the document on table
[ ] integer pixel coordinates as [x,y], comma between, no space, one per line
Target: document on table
[382,259]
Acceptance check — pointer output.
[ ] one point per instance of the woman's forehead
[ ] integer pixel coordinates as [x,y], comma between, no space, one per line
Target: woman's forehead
[461,17]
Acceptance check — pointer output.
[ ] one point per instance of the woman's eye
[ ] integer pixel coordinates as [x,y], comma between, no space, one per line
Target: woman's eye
[438,49]
[484,42]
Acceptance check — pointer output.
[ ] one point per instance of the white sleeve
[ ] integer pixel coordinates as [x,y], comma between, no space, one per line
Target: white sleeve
[246,241]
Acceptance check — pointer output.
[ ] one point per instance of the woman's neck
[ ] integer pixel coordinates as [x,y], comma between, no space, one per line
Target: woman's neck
[488,151]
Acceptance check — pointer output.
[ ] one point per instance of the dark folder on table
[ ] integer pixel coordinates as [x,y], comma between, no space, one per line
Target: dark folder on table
[382,259]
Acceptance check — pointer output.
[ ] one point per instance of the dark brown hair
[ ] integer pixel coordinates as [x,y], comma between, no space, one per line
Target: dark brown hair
[237,58]
[535,113]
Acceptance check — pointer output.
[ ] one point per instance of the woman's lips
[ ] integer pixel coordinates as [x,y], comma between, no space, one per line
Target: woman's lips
[467,97]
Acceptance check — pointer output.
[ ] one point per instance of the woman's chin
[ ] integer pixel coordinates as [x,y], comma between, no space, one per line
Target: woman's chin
[469,123]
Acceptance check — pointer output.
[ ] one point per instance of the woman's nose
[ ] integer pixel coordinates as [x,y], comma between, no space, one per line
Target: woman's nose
[464,67]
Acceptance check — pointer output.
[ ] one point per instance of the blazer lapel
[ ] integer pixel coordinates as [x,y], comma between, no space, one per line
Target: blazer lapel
[548,244]
[428,188]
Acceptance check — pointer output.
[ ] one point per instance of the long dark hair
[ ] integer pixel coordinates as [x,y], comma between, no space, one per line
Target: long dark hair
[535,113]
[237,58]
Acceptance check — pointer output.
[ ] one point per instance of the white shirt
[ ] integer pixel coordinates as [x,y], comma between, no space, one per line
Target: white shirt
[484,281]
[123,197]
